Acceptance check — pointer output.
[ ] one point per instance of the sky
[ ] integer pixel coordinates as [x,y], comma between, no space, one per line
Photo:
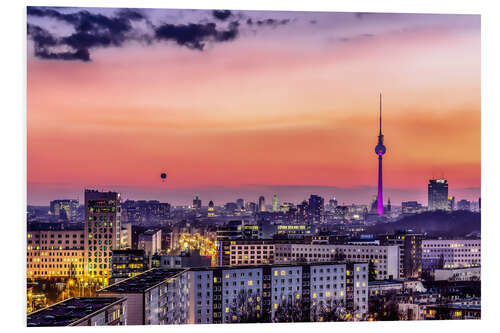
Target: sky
[237,104]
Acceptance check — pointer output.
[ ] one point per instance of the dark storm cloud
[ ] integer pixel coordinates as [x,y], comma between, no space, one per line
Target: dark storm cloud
[44,41]
[91,31]
[272,22]
[195,36]
[94,30]
[221,14]
[81,54]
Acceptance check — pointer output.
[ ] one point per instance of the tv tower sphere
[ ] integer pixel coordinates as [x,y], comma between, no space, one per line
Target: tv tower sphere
[380,149]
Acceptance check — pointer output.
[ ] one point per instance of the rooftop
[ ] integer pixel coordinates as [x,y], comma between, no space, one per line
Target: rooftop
[142,282]
[323,263]
[384,282]
[70,311]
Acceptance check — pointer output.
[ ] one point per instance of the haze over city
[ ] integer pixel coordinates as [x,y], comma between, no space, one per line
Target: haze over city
[249,108]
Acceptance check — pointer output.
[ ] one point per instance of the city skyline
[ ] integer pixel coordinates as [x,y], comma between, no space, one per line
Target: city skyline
[214,139]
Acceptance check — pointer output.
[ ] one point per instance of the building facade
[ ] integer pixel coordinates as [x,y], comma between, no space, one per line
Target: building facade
[437,194]
[150,242]
[55,253]
[102,232]
[384,258]
[218,294]
[450,253]
[128,263]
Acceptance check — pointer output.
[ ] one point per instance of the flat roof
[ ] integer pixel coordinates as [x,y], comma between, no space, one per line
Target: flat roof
[70,311]
[458,268]
[457,306]
[323,263]
[142,282]
[384,282]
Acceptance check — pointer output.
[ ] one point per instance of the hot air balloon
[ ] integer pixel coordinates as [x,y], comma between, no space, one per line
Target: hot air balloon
[163,176]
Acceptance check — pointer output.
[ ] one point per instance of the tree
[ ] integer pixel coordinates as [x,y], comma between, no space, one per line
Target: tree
[372,274]
[331,310]
[288,311]
[384,307]
[339,256]
[441,261]
[246,308]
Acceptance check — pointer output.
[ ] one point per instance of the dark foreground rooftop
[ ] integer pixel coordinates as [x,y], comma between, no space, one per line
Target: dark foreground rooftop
[142,282]
[70,311]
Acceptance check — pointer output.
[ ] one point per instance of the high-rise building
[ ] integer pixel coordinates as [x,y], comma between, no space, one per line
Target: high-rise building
[464,205]
[276,203]
[230,207]
[411,207]
[438,194]
[240,204]
[146,212]
[333,203]
[451,203]
[380,150]
[150,242]
[286,207]
[66,209]
[251,207]
[102,232]
[410,245]
[302,212]
[211,209]
[197,202]
[262,204]
[316,208]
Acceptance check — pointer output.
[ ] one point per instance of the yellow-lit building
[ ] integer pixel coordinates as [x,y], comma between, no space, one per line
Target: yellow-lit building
[55,253]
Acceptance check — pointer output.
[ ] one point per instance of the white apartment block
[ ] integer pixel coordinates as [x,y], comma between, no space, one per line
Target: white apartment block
[155,297]
[385,258]
[458,274]
[450,253]
[214,295]
[150,242]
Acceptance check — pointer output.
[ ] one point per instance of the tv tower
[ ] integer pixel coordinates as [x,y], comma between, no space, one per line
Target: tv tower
[380,150]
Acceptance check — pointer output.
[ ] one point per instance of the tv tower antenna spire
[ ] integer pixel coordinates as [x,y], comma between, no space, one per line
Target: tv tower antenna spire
[380,150]
[380,114]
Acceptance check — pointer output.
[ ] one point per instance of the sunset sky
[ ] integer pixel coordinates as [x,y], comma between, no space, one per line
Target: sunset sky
[242,103]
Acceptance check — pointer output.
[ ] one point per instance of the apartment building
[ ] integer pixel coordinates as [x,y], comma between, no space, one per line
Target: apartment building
[450,253]
[55,253]
[218,294]
[155,297]
[385,258]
